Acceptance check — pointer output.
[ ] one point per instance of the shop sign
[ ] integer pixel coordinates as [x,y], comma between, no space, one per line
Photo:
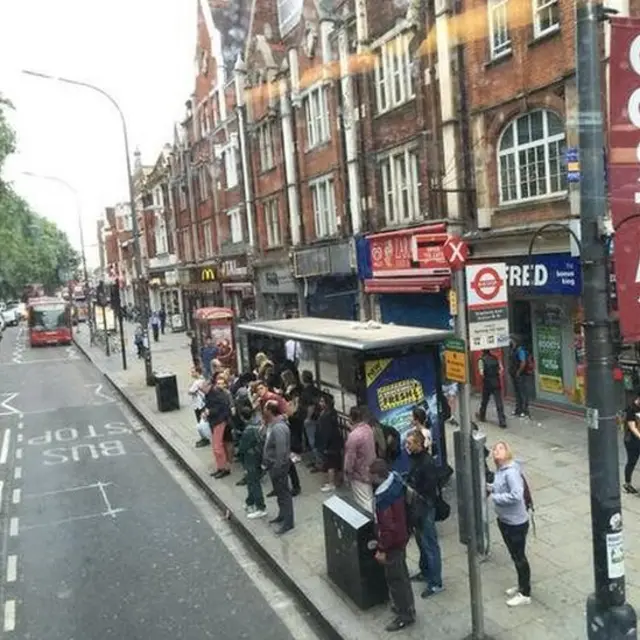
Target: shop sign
[235,268]
[624,168]
[487,302]
[549,350]
[455,360]
[208,274]
[550,274]
[334,259]
[276,281]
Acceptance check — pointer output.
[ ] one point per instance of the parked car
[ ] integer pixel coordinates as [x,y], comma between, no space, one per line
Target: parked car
[11,315]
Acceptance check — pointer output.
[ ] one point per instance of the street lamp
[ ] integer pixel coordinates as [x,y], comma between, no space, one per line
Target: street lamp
[143,296]
[85,273]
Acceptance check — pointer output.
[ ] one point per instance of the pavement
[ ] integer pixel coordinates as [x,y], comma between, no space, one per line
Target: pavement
[552,448]
[99,537]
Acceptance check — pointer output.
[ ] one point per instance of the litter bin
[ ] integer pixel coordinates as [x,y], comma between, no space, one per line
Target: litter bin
[350,546]
[167,392]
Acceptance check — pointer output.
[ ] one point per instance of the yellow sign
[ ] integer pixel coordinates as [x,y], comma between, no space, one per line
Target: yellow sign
[551,384]
[455,366]
[373,368]
[453,302]
[400,394]
[207,274]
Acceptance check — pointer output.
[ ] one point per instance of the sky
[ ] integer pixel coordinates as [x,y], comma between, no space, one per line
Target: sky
[139,51]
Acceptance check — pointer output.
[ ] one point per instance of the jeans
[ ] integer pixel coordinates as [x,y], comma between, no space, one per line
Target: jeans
[515,538]
[632,445]
[219,451]
[310,428]
[283,496]
[255,497]
[522,395]
[399,584]
[204,430]
[487,392]
[430,555]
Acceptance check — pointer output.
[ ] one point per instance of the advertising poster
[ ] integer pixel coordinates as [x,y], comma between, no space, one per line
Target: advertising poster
[396,385]
[549,348]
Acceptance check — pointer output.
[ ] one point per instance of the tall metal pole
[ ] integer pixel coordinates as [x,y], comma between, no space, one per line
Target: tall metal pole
[473,560]
[609,616]
[85,274]
[143,295]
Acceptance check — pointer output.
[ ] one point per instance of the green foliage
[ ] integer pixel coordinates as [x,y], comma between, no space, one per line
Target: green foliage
[32,248]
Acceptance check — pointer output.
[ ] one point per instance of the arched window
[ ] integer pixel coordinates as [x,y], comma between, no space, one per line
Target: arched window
[531,157]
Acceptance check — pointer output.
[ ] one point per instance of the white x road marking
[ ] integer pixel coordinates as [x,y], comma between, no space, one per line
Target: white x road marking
[8,409]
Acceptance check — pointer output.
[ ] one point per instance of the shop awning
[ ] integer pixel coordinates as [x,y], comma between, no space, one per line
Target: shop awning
[426,284]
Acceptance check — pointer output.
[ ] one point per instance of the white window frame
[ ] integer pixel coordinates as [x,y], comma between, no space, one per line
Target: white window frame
[511,156]
[265,144]
[231,166]
[208,239]
[540,8]
[236,232]
[400,179]
[203,191]
[499,37]
[272,222]
[316,106]
[289,12]
[324,206]
[393,73]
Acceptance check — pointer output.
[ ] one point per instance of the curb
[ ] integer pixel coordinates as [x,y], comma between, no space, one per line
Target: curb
[289,582]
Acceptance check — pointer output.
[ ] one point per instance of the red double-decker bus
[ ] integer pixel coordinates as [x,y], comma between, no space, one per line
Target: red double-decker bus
[49,321]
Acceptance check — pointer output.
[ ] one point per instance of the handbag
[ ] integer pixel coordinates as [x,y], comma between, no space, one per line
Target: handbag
[442,507]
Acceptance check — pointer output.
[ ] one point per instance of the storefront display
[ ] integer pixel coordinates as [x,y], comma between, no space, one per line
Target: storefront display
[549,349]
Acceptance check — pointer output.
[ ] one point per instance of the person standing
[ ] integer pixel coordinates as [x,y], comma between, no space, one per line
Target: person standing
[155,326]
[276,460]
[420,423]
[197,395]
[491,370]
[518,374]
[507,494]
[359,454]
[329,442]
[162,316]
[193,348]
[423,479]
[250,454]
[218,414]
[631,441]
[392,535]
[207,356]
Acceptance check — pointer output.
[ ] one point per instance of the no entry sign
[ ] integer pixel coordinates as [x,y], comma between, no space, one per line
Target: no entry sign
[487,305]
[456,251]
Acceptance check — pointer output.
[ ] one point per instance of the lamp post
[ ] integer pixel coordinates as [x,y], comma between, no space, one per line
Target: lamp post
[143,296]
[85,273]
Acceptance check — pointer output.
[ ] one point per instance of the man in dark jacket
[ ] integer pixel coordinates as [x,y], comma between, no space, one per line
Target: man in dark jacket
[423,479]
[490,369]
[218,408]
[392,537]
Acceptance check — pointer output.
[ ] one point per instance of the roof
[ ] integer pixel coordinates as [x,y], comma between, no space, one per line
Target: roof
[358,336]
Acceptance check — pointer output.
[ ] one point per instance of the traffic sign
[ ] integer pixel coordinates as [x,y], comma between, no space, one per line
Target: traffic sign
[487,284]
[456,251]
[455,360]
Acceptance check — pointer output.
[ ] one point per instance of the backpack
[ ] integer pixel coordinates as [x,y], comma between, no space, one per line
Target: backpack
[530,365]
[528,502]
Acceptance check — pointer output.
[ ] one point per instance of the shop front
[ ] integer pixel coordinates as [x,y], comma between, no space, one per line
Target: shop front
[403,292]
[164,291]
[329,281]
[545,313]
[238,292]
[277,293]
[200,288]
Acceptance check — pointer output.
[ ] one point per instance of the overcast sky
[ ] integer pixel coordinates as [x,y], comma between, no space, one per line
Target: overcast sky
[140,51]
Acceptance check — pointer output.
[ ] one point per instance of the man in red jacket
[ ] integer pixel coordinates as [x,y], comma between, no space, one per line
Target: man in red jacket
[393,535]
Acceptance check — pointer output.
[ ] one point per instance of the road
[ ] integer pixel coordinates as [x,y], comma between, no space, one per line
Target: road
[102,536]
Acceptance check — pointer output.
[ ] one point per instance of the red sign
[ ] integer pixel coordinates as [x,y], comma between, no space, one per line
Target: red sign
[456,252]
[487,283]
[624,169]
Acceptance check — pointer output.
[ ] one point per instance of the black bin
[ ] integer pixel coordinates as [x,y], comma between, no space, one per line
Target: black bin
[167,392]
[349,540]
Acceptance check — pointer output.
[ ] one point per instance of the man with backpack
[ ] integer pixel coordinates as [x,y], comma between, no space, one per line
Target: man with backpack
[490,370]
[520,368]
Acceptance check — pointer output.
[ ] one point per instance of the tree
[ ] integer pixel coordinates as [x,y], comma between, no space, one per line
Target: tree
[32,248]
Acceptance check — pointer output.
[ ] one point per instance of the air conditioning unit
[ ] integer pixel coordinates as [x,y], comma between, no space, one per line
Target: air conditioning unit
[484,218]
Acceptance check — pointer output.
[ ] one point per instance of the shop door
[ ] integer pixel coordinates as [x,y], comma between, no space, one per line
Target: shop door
[428,310]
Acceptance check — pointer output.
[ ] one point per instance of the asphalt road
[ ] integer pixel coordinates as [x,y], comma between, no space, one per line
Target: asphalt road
[99,537]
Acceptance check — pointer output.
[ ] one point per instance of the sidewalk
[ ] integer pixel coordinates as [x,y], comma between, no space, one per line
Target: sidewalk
[553,449]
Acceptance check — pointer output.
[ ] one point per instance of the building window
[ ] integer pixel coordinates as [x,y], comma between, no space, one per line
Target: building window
[393,69]
[235,225]
[546,17]
[186,245]
[272,221]
[531,157]
[317,116]
[208,239]
[203,184]
[400,183]
[182,196]
[324,207]
[231,166]
[265,142]
[499,28]
[289,12]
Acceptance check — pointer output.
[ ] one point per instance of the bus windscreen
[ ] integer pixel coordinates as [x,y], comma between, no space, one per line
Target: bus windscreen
[48,318]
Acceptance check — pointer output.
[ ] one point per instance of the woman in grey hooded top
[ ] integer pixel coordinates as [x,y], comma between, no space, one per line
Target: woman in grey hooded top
[507,493]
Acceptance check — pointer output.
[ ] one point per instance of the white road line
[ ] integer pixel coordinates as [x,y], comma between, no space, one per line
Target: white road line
[55,523]
[12,568]
[106,500]
[1,490]
[54,493]
[4,452]
[20,425]
[17,496]
[14,527]
[17,473]
[20,437]
[10,615]
[19,453]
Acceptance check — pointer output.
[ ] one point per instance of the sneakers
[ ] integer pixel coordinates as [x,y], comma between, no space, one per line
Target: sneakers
[431,591]
[257,513]
[249,508]
[511,591]
[629,488]
[398,623]
[518,600]
[327,488]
